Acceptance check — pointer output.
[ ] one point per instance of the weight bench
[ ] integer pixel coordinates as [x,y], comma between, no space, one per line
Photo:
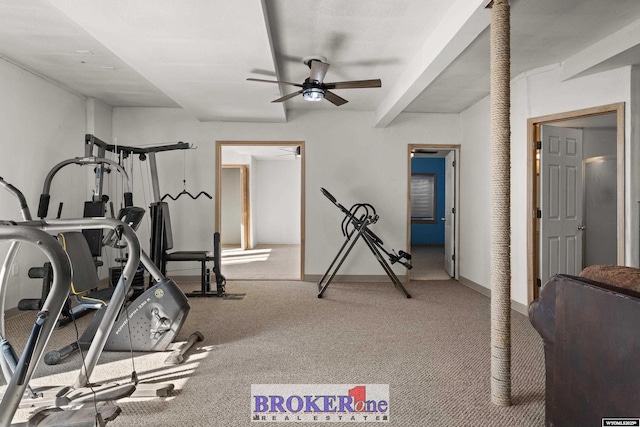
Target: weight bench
[198,256]
[162,241]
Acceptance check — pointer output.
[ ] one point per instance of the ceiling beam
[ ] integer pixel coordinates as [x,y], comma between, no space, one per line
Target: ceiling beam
[267,24]
[460,26]
[601,56]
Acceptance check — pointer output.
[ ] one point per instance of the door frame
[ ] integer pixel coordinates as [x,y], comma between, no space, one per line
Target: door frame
[533,128]
[218,185]
[456,233]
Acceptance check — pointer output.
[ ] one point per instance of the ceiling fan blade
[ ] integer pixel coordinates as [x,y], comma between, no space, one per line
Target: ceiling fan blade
[318,70]
[355,84]
[284,98]
[334,99]
[274,81]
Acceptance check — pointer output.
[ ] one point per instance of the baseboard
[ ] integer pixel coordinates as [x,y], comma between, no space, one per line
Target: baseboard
[354,278]
[476,287]
[515,305]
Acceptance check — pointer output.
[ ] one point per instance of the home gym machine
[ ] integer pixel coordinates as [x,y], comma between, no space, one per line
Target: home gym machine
[162,308]
[149,323]
[355,225]
[161,235]
[97,206]
[94,155]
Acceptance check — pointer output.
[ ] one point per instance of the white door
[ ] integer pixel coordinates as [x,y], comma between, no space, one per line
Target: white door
[449,212]
[561,204]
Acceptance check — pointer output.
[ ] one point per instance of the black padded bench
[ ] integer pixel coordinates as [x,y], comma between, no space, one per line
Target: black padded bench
[161,221]
[199,256]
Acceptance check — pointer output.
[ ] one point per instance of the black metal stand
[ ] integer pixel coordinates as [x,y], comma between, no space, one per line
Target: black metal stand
[221,281]
[355,226]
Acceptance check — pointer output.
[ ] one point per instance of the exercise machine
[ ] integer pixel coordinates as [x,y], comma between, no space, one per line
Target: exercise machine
[355,226]
[64,398]
[155,306]
[84,289]
[148,323]
[53,400]
[18,371]
[162,242]
[161,235]
[96,207]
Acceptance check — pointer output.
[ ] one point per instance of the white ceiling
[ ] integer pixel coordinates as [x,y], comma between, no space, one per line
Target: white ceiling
[432,56]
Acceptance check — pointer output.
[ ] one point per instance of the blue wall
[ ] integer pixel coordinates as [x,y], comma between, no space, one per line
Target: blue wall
[430,234]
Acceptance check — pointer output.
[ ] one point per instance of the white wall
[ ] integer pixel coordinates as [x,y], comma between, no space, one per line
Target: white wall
[533,94]
[277,201]
[475,195]
[40,125]
[344,153]
[543,93]
[231,221]
[274,200]
[599,142]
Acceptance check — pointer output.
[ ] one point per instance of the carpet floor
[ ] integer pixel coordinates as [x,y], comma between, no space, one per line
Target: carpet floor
[433,351]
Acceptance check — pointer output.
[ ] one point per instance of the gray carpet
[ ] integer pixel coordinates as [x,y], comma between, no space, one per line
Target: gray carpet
[433,350]
[428,263]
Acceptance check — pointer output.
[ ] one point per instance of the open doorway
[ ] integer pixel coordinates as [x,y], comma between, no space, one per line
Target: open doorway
[259,209]
[432,219]
[576,164]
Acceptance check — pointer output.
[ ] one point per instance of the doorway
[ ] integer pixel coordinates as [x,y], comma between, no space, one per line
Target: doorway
[576,164]
[432,216]
[259,209]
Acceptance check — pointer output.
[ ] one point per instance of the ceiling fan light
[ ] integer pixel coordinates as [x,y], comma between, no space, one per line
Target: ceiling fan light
[313,94]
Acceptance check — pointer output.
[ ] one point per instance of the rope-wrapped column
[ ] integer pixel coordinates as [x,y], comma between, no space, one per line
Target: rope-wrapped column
[500,205]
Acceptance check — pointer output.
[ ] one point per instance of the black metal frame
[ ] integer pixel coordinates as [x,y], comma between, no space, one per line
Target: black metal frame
[355,225]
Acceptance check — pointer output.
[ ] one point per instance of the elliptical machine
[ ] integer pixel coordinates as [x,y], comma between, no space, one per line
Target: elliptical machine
[169,317]
[161,309]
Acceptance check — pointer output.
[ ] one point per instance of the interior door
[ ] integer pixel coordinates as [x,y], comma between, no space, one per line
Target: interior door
[561,202]
[449,212]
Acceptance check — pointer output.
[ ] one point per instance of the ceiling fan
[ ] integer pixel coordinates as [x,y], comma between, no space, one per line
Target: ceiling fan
[315,89]
[295,152]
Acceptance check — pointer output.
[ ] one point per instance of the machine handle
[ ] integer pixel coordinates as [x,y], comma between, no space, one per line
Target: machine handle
[43,207]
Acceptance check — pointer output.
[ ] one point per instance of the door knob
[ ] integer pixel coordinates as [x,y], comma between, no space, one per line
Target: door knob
[582,227]
[443,219]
